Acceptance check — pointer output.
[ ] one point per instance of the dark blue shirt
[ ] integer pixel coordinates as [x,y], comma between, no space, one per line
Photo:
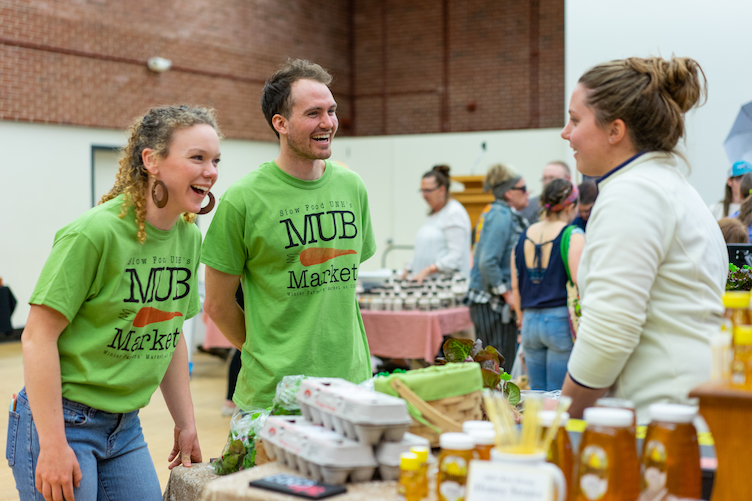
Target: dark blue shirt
[551,289]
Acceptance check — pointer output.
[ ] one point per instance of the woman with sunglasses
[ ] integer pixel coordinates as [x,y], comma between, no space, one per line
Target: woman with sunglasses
[654,268]
[443,242]
[490,292]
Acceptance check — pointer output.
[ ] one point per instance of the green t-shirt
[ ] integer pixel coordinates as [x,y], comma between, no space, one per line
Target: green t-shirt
[126,303]
[298,245]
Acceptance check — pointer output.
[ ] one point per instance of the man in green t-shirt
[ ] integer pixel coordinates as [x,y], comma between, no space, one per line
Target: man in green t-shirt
[295,230]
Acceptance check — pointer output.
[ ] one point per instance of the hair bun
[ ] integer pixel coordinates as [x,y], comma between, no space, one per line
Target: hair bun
[683,83]
[443,168]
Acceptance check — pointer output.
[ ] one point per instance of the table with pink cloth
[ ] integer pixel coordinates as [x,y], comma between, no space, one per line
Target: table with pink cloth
[412,334]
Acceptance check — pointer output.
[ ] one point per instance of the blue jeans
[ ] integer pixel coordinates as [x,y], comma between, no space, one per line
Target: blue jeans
[547,343]
[110,448]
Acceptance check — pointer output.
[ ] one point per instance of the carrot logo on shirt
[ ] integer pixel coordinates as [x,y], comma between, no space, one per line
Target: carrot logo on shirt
[319,255]
[148,315]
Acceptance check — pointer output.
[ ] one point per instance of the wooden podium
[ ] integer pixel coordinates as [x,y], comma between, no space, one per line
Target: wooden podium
[472,197]
[728,412]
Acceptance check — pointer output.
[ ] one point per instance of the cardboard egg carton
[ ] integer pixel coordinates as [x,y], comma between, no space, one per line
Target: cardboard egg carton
[321,454]
[358,414]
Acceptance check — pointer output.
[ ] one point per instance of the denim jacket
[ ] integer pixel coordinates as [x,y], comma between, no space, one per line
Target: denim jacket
[497,232]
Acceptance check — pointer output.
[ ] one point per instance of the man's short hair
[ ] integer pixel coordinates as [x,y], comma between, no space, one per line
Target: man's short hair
[276,97]
[564,166]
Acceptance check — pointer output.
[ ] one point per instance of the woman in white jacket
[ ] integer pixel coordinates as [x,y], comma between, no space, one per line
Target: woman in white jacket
[654,266]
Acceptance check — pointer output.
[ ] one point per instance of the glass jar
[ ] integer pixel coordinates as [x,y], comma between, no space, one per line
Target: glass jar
[671,452]
[737,307]
[741,367]
[560,453]
[468,426]
[607,464]
[422,453]
[410,485]
[484,442]
[457,450]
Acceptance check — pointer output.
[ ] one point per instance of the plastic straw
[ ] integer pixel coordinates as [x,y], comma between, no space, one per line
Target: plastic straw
[561,407]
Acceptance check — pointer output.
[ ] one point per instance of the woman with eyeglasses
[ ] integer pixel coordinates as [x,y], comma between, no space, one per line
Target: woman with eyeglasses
[654,268]
[490,292]
[443,242]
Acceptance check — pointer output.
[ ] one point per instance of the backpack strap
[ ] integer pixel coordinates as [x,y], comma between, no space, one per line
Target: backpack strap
[565,249]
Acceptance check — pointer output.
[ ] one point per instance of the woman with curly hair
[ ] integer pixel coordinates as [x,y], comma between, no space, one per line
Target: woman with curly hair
[654,268]
[104,329]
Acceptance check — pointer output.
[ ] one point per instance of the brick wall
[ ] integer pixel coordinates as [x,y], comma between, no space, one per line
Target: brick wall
[408,66]
[457,65]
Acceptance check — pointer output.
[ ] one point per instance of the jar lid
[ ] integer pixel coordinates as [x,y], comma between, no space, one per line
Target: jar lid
[736,299]
[409,461]
[743,334]
[420,451]
[456,441]
[476,425]
[483,437]
[547,418]
[672,413]
[616,403]
[605,416]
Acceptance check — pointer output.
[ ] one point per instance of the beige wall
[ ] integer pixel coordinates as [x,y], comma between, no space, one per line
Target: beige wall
[47,175]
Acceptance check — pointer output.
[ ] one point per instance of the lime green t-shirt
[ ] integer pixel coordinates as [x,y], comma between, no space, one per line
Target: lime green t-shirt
[126,303]
[298,245]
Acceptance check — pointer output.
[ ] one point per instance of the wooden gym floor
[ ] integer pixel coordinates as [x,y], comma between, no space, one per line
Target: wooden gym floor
[208,388]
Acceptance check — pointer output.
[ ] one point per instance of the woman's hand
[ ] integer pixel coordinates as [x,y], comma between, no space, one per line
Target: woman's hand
[422,274]
[185,450]
[57,472]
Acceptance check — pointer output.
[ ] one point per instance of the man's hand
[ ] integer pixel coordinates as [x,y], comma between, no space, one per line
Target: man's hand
[57,472]
[185,450]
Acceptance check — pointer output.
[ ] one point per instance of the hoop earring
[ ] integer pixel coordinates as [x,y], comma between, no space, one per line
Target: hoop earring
[209,206]
[159,203]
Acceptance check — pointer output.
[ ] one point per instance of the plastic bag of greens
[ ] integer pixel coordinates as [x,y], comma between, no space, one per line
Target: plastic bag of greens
[239,452]
[286,397]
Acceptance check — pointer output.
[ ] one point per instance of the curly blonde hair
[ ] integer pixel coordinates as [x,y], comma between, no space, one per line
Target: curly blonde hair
[154,131]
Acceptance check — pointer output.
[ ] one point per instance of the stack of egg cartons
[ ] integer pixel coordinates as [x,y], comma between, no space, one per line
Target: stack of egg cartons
[346,432]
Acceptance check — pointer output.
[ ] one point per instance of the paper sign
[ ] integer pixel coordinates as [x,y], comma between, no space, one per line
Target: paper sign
[491,481]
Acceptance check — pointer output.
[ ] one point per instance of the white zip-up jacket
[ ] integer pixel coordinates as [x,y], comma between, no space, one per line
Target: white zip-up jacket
[651,281]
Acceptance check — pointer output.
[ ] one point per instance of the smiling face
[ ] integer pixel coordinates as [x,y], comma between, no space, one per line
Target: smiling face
[588,139]
[309,131]
[190,168]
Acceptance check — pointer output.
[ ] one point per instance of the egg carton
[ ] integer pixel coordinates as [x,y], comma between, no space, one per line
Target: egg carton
[321,454]
[356,413]
[388,454]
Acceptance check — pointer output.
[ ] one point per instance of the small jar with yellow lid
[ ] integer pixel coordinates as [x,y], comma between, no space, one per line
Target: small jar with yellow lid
[741,367]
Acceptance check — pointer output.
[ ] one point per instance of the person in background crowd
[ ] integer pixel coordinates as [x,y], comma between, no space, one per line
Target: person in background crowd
[734,232]
[539,282]
[744,214]
[102,333]
[553,170]
[490,291]
[732,199]
[295,231]
[588,193]
[443,242]
[654,269]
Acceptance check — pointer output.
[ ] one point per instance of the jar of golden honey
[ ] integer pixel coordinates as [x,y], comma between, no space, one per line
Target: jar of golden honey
[560,453]
[457,450]
[671,452]
[607,467]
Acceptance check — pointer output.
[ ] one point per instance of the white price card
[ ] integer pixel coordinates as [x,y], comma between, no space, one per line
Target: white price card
[491,481]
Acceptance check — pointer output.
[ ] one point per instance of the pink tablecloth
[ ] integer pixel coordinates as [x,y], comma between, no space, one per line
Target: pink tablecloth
[412,334]
[214,338]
